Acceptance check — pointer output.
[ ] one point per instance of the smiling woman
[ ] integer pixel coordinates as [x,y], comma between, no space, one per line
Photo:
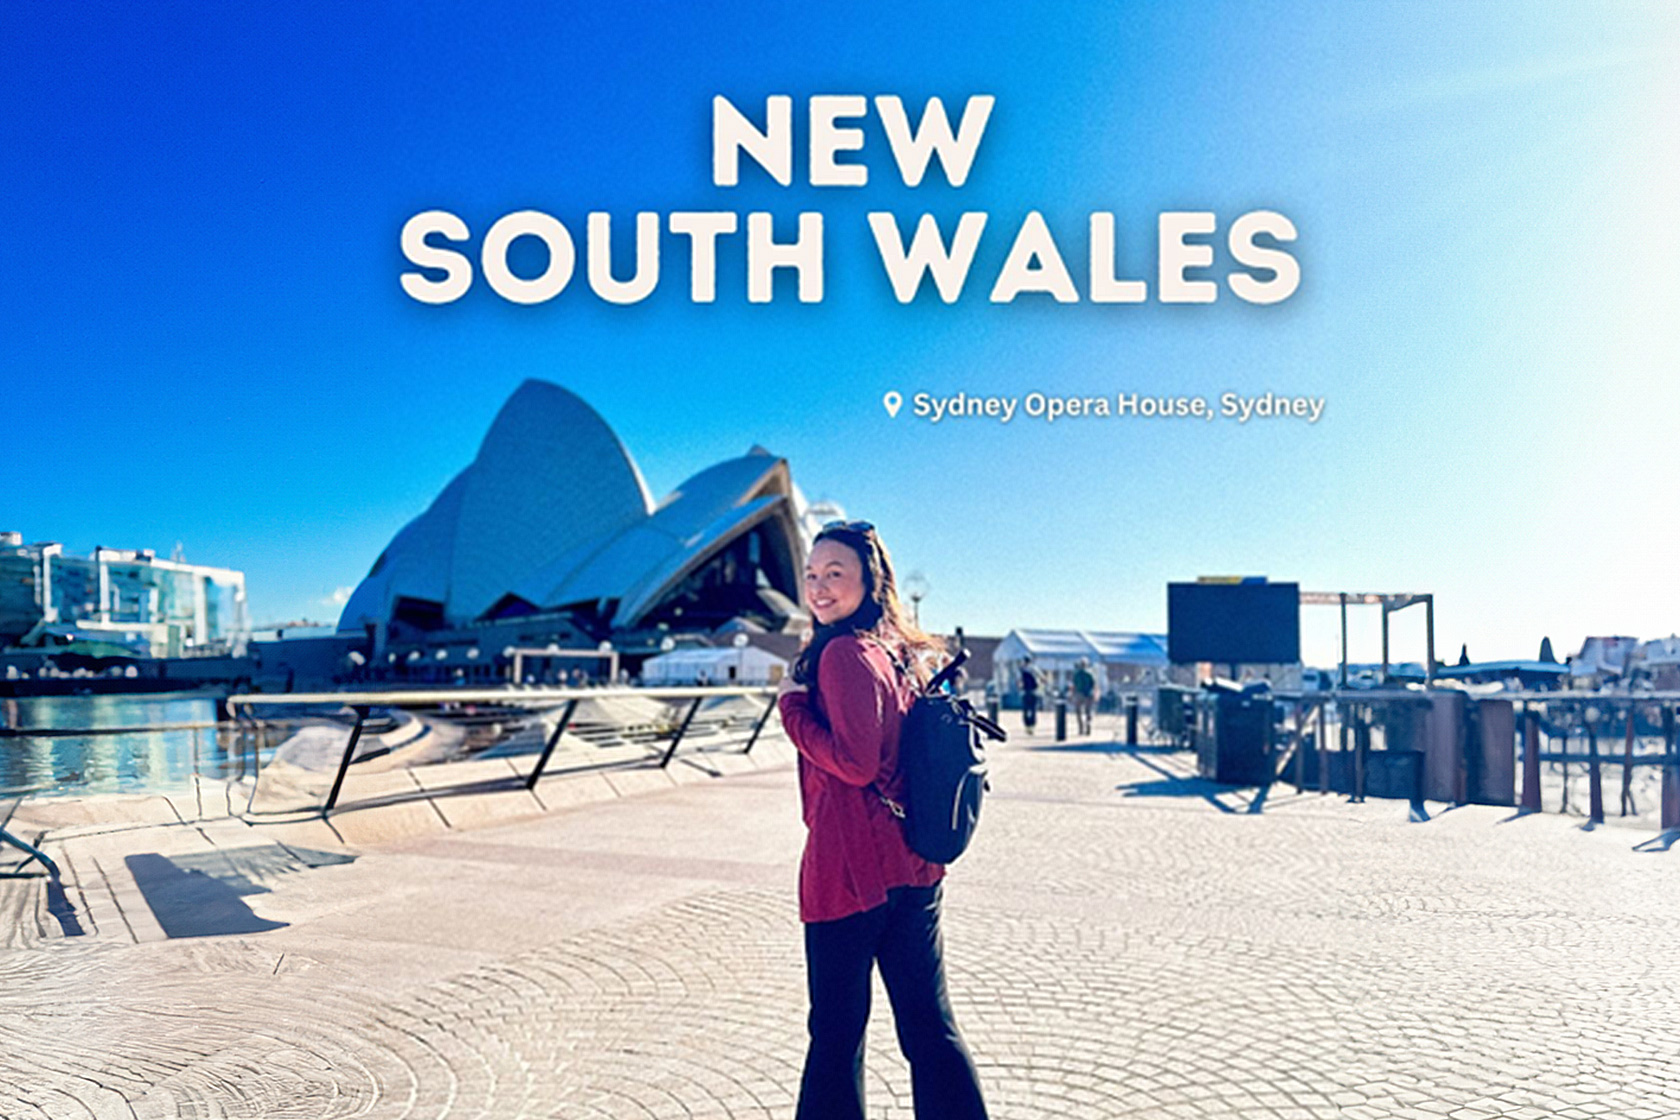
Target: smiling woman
[866,899]
[833,581]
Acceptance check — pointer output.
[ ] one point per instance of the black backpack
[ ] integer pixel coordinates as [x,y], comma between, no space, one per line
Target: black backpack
[943,763]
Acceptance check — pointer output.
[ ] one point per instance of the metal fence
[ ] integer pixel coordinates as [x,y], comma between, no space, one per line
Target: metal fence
[1526,749]
[662,722]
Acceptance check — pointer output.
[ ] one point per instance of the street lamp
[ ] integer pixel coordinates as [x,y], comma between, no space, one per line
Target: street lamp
[916,586]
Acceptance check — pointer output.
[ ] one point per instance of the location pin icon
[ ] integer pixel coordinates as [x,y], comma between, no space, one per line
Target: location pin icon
[893,402]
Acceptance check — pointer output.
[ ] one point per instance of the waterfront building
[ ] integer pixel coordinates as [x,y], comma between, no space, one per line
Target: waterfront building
[550,535]
[119,600]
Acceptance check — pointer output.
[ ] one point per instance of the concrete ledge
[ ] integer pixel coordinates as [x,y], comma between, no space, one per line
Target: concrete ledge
[452,775]
[68,816]
[561,791]
[368,787]
[386,824]
[478,810]
[724,762]
[314,833]
[375,808]
[626,783]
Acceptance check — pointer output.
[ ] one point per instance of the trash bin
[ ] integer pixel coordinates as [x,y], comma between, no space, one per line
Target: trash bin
[1235,744]
[1171,703]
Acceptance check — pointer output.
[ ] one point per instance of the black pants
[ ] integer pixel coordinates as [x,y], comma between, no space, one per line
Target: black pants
[903,937]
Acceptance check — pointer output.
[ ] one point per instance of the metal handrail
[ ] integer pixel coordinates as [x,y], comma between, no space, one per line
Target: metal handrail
[395,698]
[30,851]
[362,703]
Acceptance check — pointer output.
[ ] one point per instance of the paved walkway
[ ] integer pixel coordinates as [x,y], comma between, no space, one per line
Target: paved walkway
[1124,941]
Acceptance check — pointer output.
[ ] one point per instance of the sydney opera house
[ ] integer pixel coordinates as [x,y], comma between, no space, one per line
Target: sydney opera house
[551,536]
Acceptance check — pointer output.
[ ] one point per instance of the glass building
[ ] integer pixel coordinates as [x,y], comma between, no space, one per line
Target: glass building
[127,598]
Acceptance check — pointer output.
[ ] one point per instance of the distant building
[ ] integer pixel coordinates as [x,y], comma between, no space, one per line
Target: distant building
[1658,662]
[120,600]
[1603,658]
[551,535]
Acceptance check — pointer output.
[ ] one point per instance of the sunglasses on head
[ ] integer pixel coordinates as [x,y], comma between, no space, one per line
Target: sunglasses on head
[848,527]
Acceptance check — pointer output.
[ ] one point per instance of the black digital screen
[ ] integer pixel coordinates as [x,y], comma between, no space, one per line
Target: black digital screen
[1234,623]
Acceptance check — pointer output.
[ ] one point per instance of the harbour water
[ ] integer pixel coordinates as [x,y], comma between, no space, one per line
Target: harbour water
[121,762]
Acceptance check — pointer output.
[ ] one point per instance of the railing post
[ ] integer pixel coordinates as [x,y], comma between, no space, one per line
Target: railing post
[29,850]
[553,741]
[1595,783]
[681,731]
[1323,748]
[1671,773]
[1300,749]
[361,711]
[1564,766]
[1531,760]
[1628,807]
[759,726]
[259,739]
[1361,744]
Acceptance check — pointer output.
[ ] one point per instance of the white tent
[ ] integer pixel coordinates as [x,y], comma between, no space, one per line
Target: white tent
[1115,656]
[736,665]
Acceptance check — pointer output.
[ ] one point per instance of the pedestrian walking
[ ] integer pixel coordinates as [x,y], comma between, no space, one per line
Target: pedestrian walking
[866,900]
[1084,689]
[1029,695]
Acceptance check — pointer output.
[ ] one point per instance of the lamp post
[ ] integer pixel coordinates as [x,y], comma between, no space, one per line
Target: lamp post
[916,586]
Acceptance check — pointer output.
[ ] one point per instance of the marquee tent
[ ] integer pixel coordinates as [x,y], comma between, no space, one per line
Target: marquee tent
[1115,655]
[742,665]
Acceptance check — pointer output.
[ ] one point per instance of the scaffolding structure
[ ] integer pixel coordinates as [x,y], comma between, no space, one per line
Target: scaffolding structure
[1390,603]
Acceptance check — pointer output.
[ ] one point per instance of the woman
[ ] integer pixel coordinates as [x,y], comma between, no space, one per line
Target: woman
[864,896]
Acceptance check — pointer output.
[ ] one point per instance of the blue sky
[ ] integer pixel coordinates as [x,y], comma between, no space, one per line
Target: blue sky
[203,338]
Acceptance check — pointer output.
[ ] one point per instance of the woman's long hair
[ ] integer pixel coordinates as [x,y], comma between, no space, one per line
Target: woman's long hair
[880,617]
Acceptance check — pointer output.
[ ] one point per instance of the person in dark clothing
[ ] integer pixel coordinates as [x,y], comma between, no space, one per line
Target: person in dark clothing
[1083,689]
[1029,695]
[866,900]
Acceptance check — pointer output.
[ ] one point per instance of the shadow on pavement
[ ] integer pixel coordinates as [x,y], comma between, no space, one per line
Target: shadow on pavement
[1661,842]
[62,909]
[1176,785]
[1099,746]
[190,903]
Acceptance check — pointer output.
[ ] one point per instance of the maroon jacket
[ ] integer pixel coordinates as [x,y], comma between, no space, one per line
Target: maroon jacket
[847,736]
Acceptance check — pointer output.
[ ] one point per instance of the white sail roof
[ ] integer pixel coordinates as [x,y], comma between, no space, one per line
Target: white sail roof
[554,512]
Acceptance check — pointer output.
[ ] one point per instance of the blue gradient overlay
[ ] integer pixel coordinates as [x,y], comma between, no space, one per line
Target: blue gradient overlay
[203,338]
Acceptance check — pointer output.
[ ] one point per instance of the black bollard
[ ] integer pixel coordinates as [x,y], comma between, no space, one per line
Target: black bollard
[1061,719]
[1131,720]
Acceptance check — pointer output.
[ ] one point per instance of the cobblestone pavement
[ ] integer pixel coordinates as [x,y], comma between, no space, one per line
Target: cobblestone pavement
[1124,941]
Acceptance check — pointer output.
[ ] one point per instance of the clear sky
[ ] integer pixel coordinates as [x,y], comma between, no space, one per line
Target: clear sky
[203,338]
